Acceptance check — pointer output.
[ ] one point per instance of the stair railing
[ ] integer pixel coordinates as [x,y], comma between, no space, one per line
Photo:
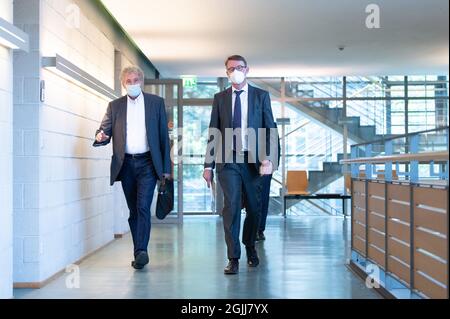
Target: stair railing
[360,109]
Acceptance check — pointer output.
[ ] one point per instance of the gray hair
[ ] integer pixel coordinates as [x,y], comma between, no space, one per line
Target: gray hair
[132,69]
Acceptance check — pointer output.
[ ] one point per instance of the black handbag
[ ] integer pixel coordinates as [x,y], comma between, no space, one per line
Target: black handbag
[165,201]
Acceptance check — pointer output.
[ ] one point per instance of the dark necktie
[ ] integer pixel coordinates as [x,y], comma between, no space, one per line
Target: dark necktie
[237,117]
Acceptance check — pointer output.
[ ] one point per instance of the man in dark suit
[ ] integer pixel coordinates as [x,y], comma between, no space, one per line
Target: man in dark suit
[137,124]
[265,198]
[238,148]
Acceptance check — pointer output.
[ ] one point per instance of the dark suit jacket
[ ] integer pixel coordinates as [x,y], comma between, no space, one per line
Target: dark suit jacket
[114,125]
[259,116]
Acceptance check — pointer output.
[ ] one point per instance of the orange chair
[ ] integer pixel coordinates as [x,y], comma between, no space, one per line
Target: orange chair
[297,183]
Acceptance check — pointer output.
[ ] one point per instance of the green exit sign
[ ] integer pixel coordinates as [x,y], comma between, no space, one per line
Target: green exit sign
[189,81]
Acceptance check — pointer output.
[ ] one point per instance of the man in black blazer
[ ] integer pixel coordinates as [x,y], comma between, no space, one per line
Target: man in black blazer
[265,198]
[137,125]
[241,149]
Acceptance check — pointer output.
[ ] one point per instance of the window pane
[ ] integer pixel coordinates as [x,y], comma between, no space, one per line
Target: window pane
[196,195]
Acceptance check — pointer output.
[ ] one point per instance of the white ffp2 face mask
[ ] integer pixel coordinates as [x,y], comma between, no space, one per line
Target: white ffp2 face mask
[237,77]
[134,90]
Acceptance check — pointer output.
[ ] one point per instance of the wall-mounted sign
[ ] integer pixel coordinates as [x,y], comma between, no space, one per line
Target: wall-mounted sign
[189,81]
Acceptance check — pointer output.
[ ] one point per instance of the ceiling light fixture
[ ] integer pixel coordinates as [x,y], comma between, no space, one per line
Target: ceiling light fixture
[12,37]
[71,72]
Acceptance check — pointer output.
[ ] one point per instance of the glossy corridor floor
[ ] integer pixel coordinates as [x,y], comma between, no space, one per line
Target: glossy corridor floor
[302,257]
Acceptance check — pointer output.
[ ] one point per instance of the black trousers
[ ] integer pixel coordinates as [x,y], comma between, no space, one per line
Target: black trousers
[265,196]
[138,183]
[240,181]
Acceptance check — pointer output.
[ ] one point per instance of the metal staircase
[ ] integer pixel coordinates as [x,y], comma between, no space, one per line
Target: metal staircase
[331,117]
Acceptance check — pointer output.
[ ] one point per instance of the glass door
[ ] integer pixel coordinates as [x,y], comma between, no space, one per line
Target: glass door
[172,93]
[197,104]
[198,198]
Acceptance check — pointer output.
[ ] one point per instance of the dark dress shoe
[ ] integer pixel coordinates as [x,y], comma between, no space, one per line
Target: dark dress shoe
[252,257]
[260,236]
[140,260]
[232,268]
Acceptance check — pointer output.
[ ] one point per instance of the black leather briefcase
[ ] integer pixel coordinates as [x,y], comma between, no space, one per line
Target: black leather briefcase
[165,199]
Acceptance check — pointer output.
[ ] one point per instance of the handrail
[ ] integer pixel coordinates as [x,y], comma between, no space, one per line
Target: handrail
[373,119]
[334,144]
[397,136]
[315,143]
[296,129]
[326,203]
[277,180]
[317,146]
[401,158]
[275,91]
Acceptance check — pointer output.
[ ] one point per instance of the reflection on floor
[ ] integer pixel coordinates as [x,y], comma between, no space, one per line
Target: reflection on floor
[303,257]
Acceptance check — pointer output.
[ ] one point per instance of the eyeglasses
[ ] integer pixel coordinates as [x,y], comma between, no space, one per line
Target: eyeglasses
[239,68]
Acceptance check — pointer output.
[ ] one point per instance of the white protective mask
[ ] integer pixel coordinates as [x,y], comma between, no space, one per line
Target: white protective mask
[134,90]
[237,77]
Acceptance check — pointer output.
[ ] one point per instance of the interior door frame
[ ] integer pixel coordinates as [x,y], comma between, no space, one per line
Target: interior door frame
[179,178]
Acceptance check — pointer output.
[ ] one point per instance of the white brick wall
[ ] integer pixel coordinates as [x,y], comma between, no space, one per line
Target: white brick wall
[68,209]
[75,199]
[85,46]
[26,146]
[6,151]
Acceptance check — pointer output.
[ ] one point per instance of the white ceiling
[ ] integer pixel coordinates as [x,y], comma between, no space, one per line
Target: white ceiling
[288,37]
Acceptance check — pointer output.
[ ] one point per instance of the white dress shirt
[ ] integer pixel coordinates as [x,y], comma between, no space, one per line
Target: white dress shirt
[244,113]
[137,142]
